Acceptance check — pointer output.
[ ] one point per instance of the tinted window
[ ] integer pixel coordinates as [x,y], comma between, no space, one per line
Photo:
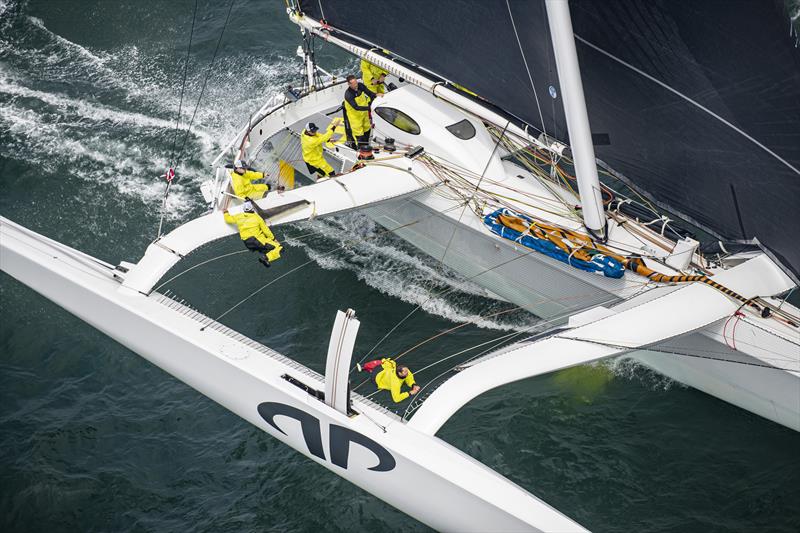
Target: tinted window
[463,130]
[398,119]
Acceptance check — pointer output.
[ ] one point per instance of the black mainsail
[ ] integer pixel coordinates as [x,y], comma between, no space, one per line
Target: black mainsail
[696,104]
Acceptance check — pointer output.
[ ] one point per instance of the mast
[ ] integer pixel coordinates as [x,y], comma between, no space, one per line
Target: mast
[580,134]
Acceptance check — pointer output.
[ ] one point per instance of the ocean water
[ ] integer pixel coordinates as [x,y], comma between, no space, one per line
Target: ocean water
[94,438]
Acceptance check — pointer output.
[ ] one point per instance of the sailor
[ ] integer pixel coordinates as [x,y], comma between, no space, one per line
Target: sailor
[392,377]
[373,77]
[242,178]
[312,141]
[357,99]
[255,233]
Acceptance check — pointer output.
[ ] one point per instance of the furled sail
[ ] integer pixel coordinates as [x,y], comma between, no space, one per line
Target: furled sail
[696,104]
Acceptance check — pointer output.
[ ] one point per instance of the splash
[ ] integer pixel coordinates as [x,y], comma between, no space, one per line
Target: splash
[631,369]
[387,264]
[108,118]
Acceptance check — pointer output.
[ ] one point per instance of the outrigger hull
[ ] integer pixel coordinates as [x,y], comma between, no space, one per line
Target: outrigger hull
[374,450]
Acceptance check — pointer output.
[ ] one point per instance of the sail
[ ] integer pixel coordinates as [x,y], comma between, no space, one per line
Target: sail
[695,104]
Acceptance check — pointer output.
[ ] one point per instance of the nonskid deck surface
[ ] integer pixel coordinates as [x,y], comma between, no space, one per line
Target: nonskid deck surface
[284,145]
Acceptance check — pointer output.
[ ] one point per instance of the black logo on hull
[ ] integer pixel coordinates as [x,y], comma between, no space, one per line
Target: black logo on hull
[340,436]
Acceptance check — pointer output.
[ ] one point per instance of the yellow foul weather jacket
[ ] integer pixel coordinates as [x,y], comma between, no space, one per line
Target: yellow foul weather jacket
[370,74]
[356,109]
[387,379]
[251,225]
[312,148]
[243,184]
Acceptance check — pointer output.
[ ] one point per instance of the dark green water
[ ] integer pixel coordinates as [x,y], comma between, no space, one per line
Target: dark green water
[93,438]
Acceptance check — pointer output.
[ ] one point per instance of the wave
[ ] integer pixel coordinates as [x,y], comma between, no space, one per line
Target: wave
[386,263]
[109,117]
[631,369]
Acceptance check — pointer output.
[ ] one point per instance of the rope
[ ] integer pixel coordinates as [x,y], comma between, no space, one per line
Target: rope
[450,330]
[429,339]
[173,278]
[477,187]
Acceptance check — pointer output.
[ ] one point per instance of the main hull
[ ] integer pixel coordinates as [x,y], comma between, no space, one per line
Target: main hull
[540,284]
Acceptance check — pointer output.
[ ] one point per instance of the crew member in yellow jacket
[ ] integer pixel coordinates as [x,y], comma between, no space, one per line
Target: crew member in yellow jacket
[357,99]
[373,77]
[312,143]
[392,377]
[255,233]
[242,181]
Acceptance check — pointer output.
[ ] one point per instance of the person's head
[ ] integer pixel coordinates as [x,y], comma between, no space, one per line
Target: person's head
[311,128]
[402,371]
[382,78]
[239,166]
[248,207]
[352,81]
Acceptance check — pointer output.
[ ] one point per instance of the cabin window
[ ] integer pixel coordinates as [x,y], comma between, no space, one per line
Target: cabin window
[463,130]
[398,119]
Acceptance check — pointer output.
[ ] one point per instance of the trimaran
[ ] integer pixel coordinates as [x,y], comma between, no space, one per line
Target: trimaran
[480,184]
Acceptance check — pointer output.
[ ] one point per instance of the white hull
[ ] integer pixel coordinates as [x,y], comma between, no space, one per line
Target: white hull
[540,284]
[247,378]
[749,384]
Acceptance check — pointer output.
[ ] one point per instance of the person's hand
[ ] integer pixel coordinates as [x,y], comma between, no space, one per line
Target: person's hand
[380,95]
[414,390]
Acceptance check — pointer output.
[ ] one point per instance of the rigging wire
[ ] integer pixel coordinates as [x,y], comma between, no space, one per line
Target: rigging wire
[173,278]
[440,334]
[205,82]
[325,254]
[676,352]
[183,87]
[524,60]
[170,173]
[454,328]
[477,186]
